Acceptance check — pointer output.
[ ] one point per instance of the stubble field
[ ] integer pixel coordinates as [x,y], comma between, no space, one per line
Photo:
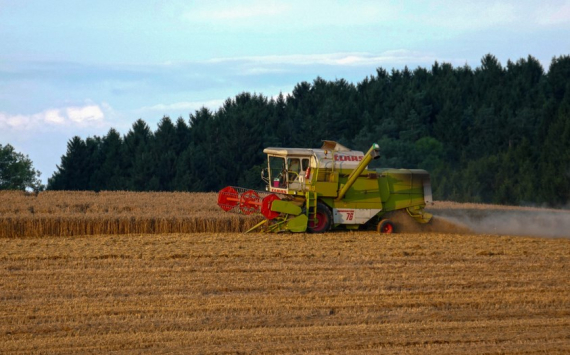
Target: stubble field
[336,293]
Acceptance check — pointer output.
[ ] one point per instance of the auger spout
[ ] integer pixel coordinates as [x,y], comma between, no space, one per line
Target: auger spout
[373,153]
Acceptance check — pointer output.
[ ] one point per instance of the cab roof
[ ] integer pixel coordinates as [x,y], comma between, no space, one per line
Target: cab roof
[328,146]
[331,153]
[289,151]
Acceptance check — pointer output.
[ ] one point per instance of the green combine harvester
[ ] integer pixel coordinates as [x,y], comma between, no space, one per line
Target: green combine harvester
[317,190]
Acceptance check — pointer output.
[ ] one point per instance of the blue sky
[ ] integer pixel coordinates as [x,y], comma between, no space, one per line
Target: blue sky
[81,67]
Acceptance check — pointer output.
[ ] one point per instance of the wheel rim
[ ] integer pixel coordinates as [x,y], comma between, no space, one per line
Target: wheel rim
[388,228]
[320,221]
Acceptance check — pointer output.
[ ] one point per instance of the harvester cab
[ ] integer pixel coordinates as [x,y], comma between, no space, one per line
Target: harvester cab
[286,173]
[330,187]
[291,170]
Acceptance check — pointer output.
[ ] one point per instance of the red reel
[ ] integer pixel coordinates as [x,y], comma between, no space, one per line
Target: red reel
[250,202]
[266,206]
[228,198]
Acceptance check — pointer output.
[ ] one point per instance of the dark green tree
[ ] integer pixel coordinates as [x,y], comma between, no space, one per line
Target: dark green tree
[555,158]
[139,158]
[17,171]
[164,148]
[71,173]
[112,175]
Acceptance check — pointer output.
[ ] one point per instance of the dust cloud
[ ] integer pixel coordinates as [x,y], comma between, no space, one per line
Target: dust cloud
[537,223]
[403,223]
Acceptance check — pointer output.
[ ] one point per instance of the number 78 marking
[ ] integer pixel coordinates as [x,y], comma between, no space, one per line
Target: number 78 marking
[349,214]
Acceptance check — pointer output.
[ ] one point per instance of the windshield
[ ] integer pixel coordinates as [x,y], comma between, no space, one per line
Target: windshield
[277,171]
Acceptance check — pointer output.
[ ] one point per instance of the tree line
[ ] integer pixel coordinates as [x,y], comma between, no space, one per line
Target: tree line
[495,134]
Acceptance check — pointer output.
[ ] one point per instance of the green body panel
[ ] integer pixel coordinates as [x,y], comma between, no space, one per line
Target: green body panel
[285,207]
[363,193]
[326,189]
[401,188]
[297,224]
[388,189]
[328,175]
[418,213]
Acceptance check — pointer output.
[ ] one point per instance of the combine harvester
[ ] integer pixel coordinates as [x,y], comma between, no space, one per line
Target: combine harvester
[317,190]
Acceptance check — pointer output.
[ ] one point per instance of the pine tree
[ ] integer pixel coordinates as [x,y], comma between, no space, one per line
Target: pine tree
[139,157]
[71,173]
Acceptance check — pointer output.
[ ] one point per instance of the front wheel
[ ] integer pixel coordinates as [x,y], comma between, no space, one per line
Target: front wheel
[385,227]
[321,221]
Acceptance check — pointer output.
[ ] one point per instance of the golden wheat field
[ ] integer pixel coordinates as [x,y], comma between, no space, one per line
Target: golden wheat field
[233,293]
[67,213]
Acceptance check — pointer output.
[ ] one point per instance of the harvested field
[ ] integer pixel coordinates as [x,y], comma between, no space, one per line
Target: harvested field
[337,293]
[80,274]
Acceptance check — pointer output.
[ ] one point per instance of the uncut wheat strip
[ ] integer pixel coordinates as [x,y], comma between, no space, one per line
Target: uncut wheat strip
[15,227]
[88,202]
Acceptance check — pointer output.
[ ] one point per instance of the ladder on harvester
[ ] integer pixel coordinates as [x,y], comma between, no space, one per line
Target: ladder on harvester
[311,206]
[311,199]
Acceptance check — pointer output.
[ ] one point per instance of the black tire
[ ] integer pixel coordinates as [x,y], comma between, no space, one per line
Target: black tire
[324,219]
[385,226]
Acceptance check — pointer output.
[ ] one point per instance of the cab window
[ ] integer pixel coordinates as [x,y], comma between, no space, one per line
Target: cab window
[277,171]
[294,168]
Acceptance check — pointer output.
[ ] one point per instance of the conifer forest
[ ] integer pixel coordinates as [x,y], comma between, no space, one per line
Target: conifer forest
[492,134]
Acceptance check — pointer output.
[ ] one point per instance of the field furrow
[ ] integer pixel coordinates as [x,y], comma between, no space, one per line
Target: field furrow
[342,293]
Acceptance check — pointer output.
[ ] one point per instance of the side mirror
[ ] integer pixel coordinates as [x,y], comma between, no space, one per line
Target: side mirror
[265,175]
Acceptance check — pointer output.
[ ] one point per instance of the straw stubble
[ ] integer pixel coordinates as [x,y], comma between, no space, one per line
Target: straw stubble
[338,293]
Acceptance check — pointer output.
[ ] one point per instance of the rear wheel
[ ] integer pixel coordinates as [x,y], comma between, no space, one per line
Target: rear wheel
[321,221]
[385,226]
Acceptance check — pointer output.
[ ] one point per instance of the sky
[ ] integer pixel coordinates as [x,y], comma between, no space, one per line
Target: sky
[78,68]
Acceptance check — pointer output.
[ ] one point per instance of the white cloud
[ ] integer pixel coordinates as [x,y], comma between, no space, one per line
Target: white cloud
[186,106]
[262,71]
[332,59]
[85,114]
[554,15]
[13,121]
[53,116]
[74,116]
